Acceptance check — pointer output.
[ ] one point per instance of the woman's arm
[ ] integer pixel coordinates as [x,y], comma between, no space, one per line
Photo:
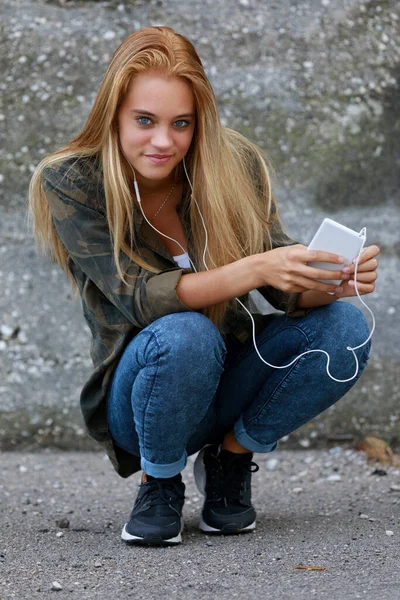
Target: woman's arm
[282,269]
[311,299]
[206,288]
[85,235]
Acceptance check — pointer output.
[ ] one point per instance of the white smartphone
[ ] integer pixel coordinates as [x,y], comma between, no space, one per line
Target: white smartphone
[337,239]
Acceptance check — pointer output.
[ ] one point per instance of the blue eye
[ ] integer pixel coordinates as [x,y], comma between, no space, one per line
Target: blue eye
[180,124]
[141,119]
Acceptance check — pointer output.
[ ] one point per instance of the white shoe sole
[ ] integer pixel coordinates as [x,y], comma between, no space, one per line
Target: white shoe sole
[227,529]
[151,539]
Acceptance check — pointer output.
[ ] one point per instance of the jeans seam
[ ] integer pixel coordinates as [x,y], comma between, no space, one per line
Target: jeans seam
[145,408]
[220,341]
[307,332]
[281,383]
[147,404]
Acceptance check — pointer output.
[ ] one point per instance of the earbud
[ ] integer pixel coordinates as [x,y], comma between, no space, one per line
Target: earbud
[137,191]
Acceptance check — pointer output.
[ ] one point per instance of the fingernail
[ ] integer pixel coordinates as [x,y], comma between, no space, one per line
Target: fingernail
[351,283]
[346,275]
[346,270]
[339,289]
[341,259]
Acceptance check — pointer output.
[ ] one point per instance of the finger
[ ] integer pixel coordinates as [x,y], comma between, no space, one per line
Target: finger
[363,288]
[369,252]
[319,286]
[320,256]
[372,250]
[366,277]
[370,265]
[314,273]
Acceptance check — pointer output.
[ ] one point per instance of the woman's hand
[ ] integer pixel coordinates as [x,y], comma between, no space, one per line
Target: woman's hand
[366,274]
[286,269]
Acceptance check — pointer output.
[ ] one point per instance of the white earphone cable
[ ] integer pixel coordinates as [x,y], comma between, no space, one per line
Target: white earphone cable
[362,234]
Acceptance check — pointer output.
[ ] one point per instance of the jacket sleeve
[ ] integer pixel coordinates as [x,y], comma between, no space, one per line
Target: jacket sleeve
[285,301]
[84,232]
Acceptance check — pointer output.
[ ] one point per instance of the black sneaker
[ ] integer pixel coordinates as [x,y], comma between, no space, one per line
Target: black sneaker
[224,479]
[156,518]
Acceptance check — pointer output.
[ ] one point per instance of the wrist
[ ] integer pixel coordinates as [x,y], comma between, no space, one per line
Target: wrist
[258,265]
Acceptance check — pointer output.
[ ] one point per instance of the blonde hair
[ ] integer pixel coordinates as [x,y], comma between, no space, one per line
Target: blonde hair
[229,173]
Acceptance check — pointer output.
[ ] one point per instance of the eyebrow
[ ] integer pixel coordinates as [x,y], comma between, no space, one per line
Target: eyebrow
[146,112]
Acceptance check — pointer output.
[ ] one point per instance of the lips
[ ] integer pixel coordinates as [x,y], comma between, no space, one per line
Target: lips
[159,155]
[158,159]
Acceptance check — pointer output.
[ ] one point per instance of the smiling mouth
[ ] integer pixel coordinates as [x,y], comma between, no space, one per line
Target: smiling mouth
[158,155]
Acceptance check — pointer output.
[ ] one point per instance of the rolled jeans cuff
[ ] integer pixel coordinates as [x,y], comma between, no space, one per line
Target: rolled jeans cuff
[163,471]
[246,441]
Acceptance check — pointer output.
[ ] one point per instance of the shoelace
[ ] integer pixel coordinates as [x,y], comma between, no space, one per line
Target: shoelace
[215,479]
[234,478]
[226,482]
[156,494]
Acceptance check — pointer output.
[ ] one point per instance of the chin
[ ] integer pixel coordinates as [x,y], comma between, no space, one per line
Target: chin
[156,172]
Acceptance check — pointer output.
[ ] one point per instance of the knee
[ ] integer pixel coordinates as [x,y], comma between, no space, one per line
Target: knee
[347,324]
[189,333]
[355,323]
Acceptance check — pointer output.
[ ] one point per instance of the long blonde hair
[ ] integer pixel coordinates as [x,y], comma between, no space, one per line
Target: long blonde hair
[229,174]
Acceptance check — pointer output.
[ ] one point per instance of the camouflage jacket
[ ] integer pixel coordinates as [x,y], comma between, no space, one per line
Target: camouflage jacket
[115,312]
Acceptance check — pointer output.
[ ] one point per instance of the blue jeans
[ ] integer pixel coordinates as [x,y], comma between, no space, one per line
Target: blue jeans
[177,387]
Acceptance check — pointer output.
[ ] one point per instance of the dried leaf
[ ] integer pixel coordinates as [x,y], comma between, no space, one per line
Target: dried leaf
[377,450]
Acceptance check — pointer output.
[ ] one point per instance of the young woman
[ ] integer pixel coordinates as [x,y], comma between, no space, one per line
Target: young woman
[151,181]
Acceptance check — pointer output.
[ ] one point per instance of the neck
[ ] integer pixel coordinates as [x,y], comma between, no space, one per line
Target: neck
[149,186]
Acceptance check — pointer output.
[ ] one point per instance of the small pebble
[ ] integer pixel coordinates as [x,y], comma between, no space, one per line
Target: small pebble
[297,490]
[395,488]
[56,587]
[272,463]
[380,472]
[388,532]
[6,331]
[62,523]
[59,534]
[334,478]
[209,544]
[362,516]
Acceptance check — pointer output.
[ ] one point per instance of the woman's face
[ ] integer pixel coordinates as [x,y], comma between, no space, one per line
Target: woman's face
[156,124]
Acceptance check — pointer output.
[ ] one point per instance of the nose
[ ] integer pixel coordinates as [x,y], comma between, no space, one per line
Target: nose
[161,139]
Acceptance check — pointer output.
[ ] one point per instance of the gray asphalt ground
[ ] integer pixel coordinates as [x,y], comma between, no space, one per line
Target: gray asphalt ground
[319,508]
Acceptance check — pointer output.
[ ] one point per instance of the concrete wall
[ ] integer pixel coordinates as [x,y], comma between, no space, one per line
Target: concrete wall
[315,83]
